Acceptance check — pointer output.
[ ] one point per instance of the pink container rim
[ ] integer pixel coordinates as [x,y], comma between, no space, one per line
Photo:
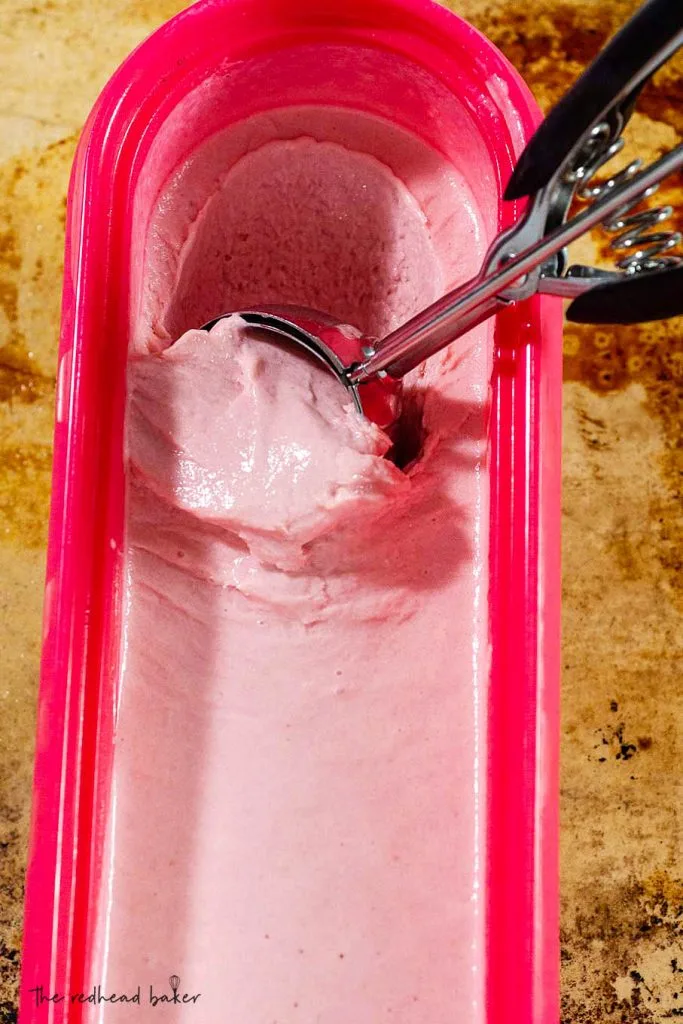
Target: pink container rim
[86,519]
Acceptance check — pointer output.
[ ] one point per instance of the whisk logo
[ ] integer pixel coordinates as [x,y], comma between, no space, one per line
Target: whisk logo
[134,997]
[176,995]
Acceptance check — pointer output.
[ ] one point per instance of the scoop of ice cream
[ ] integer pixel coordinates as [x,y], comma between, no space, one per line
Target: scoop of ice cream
[256,436]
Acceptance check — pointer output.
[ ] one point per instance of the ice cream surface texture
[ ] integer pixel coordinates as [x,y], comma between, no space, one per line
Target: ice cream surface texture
[299,803]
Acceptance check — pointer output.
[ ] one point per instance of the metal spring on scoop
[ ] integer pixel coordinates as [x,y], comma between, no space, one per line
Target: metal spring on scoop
[644,247]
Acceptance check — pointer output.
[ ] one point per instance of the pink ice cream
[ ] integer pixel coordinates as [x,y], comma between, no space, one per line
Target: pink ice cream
[299,805]
[300,460]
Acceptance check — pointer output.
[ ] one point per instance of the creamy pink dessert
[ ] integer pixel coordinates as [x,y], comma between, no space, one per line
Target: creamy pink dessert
[299,808]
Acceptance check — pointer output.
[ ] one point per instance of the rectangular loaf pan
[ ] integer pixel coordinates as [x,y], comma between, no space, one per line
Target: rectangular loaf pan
[116,178]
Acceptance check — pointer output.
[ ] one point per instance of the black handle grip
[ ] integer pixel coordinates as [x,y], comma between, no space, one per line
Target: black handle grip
[607,80]
[635,299]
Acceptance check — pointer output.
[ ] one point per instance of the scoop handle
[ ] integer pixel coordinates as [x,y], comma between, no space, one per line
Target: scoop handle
[472,303]
[615,77]
[637,298]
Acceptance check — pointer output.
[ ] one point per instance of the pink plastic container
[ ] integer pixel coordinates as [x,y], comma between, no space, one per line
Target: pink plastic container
[430,72]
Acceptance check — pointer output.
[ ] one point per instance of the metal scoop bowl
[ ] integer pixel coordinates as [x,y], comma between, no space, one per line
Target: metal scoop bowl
[340,348]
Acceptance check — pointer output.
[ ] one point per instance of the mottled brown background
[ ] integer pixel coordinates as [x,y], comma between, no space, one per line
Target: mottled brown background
[622,734]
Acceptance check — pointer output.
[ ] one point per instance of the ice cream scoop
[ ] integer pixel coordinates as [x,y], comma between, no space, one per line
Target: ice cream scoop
[339,347]
[579,134]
